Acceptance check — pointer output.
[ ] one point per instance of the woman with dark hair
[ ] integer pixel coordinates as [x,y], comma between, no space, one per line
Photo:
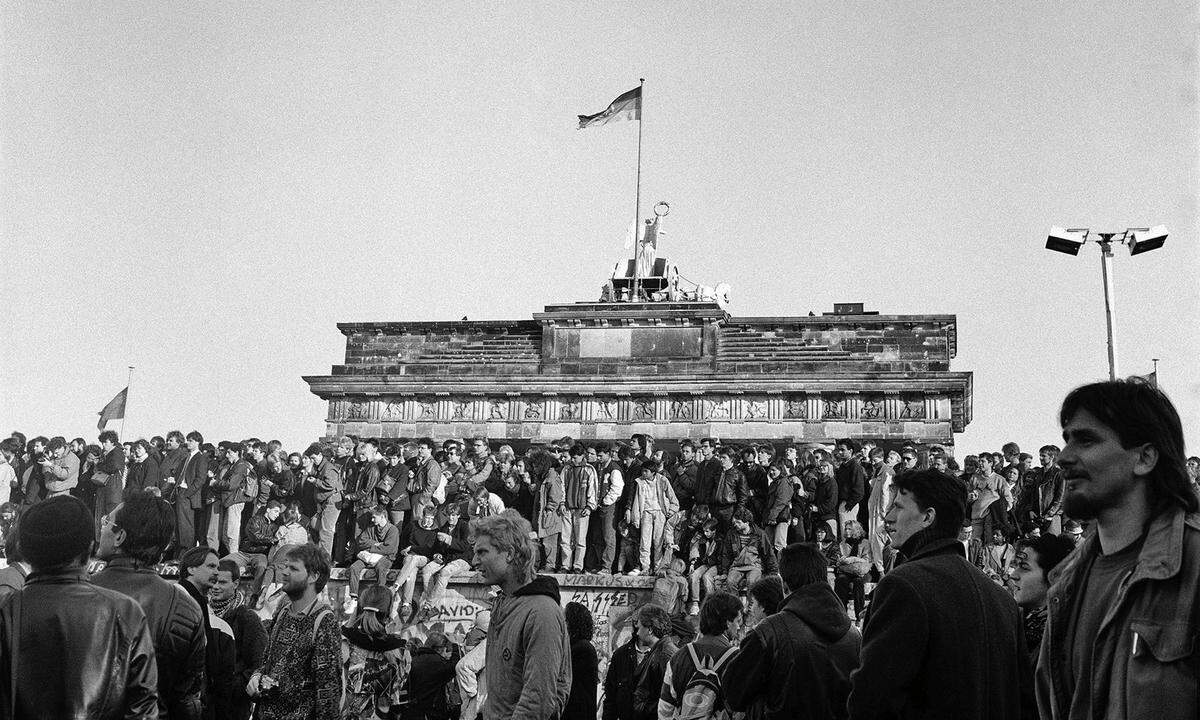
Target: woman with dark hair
[376,662]
[585,664]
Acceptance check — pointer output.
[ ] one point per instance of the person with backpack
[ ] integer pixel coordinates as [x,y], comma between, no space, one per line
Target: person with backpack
[797,662]
[376,662]
[691,688]
[301,676]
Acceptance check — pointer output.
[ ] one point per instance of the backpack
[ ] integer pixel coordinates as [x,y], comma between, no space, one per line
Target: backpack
[702,698]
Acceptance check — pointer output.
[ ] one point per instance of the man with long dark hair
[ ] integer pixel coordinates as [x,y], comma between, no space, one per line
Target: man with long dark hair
[1121,629]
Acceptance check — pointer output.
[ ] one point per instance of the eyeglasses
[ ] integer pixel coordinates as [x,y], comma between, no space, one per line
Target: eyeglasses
[909,458]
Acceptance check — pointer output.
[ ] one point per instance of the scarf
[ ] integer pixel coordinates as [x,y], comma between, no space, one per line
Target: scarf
[235,601]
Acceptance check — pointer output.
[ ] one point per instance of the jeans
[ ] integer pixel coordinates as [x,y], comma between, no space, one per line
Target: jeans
[749,573]
[406,581]
[702,576]
[381,566]
[573,543]
[225,526]
[325,523]
[652,522]
[435,578]
[602,545]
[779,533]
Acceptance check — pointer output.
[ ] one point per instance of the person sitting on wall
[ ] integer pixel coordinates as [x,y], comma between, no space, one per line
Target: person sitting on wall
[377,546]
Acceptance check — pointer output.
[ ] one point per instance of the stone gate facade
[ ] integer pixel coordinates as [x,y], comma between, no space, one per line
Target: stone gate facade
[672,369]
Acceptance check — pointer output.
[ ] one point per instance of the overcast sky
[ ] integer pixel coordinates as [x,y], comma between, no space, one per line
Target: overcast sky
[204,190]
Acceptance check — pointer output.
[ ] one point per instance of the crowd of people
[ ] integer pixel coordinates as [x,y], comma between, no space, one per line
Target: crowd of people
[789,581]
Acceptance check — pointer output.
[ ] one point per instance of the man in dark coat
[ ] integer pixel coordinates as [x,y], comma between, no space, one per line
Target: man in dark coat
[635,675]
[797,662]
[851,482]
[190,512]
[941,640]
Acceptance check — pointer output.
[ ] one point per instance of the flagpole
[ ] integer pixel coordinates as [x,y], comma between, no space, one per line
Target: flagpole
[128,385]
[638,189]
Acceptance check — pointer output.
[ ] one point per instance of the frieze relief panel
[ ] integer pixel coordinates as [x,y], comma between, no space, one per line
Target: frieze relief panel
[833,407]
[755,408]
[605,410]
[394,410]
[642,410]
[717,408]
[359,411]
[795,407]
[872,407]
[912,408]
[570,410]
[497,409]
[683,410]
[426,411]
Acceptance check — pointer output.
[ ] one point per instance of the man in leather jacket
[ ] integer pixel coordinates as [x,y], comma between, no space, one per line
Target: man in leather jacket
[67,647]
[132,539]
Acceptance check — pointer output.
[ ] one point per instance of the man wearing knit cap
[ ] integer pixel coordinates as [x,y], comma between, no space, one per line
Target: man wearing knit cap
[69,648]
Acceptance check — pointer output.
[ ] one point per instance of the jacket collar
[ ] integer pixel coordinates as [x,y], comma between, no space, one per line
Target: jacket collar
[1161,555]
[124,562]
[71,575]
[941,546]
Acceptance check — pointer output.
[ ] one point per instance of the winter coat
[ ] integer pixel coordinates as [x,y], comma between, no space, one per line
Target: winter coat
[632,688]
[779,501]
[797,662]
[548,505]
[851,482]
[941,640]
[528,655]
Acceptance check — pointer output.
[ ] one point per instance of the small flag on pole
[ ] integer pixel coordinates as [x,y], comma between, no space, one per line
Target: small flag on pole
[627,106]
[114,410]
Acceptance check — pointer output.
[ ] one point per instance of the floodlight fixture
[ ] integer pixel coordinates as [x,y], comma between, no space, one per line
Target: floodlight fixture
[1139,240]
[1142,240]
[1066,240]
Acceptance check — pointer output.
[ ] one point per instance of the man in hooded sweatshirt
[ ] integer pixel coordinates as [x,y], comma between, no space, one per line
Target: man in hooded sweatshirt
[528,667]
[797,662]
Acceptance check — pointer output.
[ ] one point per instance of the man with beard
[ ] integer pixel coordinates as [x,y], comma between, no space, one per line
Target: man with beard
[132,539]
[301,675]
[941,640]
[228,603]
[1121,628]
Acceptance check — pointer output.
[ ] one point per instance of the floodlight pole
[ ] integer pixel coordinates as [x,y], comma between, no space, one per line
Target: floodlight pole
[1110,299]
